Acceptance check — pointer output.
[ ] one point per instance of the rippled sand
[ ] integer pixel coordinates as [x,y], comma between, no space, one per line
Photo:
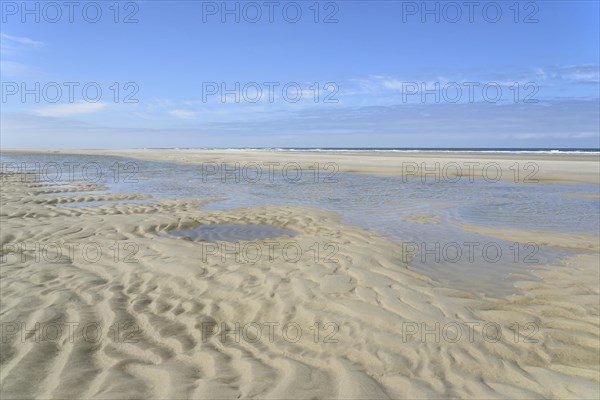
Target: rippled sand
[161,304]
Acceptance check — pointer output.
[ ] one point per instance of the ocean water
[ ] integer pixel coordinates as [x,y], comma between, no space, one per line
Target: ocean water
[499,150]
[382,204]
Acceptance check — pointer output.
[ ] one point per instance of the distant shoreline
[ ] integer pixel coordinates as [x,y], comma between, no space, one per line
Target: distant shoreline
[594,151]
[581,167]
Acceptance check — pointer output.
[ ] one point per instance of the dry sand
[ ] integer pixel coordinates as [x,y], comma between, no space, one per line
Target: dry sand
[386,331]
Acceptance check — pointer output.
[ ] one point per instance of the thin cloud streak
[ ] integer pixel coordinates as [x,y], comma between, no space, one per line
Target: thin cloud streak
[69,109]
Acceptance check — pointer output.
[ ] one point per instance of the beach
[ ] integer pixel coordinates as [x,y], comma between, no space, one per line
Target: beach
[102,301]
[519,167]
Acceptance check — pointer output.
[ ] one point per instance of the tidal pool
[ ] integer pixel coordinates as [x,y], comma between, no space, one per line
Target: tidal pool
[232,232]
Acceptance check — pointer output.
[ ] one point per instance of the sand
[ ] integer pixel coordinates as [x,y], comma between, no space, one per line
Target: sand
[526,168]
[150,320]
[575,241]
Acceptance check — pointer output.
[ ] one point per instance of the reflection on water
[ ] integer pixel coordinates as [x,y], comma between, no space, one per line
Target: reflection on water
[383,203]
[232,232]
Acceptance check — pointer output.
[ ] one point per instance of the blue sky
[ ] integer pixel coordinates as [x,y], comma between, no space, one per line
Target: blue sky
[387,74]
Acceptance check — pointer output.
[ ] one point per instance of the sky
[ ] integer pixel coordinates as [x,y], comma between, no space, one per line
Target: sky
[230,74]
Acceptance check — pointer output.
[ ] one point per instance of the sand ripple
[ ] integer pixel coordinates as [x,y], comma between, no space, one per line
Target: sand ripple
[160,319]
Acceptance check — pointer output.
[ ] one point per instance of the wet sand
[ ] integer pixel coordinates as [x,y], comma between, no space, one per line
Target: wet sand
[158,316]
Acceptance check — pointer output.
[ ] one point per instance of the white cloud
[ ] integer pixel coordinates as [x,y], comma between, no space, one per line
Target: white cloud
[22,40]
[69,109]
[16,46]
[584,73]
[183,114]
[391,83]
[381,84]
[11,68]
[25,41]
[564,135]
